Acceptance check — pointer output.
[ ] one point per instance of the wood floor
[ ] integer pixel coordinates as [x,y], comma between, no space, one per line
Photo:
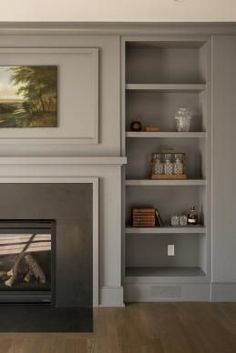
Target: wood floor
[141,328]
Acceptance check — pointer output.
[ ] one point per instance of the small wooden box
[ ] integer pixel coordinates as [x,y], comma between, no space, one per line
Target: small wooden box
[143,217]
[151,129]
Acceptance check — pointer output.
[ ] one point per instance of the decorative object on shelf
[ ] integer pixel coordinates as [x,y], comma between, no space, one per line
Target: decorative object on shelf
[157,164]
[167,166]
[136,126]
[143,217]
[183,220]
[160,222]
[178,164]
[28,96]
[193,216]
[183,119]
[151,128]
[174,221]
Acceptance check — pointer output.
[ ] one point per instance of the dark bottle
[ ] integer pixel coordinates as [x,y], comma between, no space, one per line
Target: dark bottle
[193,216]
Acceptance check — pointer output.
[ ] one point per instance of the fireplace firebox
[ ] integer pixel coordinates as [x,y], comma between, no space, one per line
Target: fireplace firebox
[27,261]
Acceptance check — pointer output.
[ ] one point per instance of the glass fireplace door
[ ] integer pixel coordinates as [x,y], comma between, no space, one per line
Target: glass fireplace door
[26,261]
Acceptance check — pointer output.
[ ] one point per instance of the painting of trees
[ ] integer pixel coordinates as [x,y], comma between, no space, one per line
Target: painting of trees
[28,96]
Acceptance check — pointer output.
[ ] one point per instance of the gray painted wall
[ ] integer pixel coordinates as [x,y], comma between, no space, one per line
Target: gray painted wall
[224,165]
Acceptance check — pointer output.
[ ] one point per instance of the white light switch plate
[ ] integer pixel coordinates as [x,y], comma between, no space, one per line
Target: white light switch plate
[171,250]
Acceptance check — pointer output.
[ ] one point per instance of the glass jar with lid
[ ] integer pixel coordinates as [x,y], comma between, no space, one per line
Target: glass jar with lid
[157,164]
[168,165]
[178,164]
[183,119]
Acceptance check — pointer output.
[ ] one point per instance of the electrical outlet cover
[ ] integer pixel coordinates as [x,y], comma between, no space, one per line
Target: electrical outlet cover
[171,250]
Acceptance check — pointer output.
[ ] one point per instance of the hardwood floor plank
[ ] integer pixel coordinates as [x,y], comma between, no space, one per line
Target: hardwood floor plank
[205,323]
[141,328]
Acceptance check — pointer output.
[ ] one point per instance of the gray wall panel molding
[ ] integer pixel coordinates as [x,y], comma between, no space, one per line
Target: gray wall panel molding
[100,131]
[78,73]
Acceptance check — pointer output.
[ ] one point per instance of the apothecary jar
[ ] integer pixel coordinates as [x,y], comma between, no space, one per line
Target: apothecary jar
[178,164]
[183,119]
[157,164]
[168,164]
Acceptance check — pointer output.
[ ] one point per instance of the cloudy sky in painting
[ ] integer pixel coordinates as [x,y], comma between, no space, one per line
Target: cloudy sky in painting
[7,90]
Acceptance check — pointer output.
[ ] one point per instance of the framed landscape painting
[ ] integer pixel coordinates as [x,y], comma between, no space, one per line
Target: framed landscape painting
[28,96]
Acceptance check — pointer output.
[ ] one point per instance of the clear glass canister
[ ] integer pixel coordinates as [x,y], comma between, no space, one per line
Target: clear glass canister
[168,165]
[183,220]
[174,221]
[178,164]
[157,164]
[183,119]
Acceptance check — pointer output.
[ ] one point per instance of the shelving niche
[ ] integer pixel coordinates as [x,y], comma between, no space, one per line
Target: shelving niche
[159,77]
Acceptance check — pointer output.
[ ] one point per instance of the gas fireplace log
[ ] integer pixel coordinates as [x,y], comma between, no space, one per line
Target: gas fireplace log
[3,275]
[12,273]
[35,268]
[28,276]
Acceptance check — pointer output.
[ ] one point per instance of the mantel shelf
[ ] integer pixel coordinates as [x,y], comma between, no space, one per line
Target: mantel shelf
[167,230]
[165,134]
[63,160]
[149,182]
[165,87]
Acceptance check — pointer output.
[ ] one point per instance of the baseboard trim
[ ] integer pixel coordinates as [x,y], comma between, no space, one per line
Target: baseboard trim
[111,297]
[223,291]
[163,292]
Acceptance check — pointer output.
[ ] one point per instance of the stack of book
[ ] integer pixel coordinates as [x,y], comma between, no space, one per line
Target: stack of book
[146,217]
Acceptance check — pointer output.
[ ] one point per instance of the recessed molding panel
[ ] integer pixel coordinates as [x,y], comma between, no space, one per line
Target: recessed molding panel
[77,94]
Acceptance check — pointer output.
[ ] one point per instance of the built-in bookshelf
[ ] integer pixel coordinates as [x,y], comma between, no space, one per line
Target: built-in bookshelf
[160,77]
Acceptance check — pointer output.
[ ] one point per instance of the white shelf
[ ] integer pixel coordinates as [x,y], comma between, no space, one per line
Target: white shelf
[156,274]
[166,87]
[165,134]
[149,182]
[167,230]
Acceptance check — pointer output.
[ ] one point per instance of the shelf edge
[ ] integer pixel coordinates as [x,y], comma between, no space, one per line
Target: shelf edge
[166,230]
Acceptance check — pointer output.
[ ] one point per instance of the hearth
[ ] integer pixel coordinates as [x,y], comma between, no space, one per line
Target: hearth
[27,261]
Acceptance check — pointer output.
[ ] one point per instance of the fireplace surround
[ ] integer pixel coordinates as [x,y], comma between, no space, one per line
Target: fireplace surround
[104,175]
[55,226]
